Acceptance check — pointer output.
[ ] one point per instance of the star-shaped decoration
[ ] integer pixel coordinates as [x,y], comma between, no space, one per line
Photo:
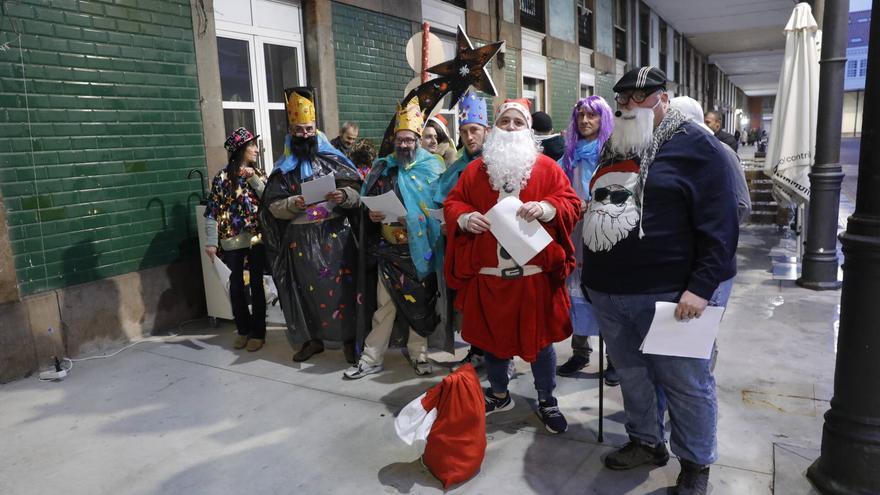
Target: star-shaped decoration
[456,75]
[467,68]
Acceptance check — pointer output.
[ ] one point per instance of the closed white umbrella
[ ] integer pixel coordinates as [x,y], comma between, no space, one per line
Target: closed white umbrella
[792,146]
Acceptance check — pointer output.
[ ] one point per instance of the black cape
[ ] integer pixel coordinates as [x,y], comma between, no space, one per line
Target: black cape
[415,299]
[314,265]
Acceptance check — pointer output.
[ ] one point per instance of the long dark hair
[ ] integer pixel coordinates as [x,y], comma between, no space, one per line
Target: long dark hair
[235,160]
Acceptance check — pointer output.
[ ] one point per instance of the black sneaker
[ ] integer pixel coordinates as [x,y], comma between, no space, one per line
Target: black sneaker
[612,378]
[553,419]
[574,364]
[692,480]
[635,454]
[494,404]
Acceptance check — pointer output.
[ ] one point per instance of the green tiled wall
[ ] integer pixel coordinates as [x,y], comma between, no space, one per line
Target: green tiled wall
[511,60]
[564,91]
[100,126]
[371,67]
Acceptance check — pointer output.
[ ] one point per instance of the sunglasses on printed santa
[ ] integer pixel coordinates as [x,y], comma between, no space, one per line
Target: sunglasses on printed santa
[617,196]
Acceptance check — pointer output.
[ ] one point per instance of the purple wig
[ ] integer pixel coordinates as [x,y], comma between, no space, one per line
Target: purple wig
[595,105]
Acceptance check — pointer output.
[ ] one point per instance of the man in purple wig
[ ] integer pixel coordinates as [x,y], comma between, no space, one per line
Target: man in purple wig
[591,124]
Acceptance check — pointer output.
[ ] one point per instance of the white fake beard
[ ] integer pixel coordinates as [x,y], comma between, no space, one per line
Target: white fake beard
[606,224]
[509,157]
[633,131]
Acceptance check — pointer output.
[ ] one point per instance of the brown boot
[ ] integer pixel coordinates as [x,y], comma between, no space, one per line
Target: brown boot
[309,349]
[240,341]
[255,344]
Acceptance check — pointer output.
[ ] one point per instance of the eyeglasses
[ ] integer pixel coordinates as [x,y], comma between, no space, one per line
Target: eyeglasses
[405,141]
[638,96]
[617,196]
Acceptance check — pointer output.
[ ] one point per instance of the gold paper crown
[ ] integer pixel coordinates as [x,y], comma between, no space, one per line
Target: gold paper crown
[410,118]
[300,109]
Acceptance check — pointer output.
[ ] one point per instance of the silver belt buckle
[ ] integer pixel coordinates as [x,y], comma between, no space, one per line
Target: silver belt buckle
[514,272]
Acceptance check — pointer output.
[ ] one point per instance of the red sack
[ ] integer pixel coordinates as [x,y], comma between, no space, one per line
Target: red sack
[451,418]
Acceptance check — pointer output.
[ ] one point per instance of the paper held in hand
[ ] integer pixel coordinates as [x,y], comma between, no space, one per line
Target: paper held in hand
[523,240]
[387,203]
[692,338]
[437,214]
[315,191]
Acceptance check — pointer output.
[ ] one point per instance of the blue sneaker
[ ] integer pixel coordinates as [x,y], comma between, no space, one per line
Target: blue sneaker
[553,419]
[494,404]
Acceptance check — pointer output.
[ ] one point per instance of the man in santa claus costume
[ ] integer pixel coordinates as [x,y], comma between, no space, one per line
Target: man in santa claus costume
[511,309]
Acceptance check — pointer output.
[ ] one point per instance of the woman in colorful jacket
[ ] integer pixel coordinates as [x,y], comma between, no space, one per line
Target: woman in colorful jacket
[232,218]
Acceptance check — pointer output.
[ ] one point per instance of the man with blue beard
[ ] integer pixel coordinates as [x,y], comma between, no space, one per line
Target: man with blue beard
[661,226]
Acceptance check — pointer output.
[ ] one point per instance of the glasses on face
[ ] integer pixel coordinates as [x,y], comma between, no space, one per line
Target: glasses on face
[405,141]
[616,196]
[638,96]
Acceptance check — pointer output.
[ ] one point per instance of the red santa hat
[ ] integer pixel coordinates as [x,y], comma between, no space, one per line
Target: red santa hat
[449,422]
[521,105]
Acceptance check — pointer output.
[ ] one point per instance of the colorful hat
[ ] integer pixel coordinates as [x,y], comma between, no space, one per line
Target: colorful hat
[410,118]
[238,138]
[300,105]
[472,110]
[521,105]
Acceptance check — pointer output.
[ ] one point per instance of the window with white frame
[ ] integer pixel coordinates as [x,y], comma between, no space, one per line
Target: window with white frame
[260,51]
[533,90]
[851,68]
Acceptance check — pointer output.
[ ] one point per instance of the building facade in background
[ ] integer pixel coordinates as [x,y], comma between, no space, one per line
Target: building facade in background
[856,69]
[114,110]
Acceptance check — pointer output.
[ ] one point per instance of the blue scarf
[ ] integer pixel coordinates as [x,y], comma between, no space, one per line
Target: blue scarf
[417,183]
[450,177]
[288,161]
[586,156]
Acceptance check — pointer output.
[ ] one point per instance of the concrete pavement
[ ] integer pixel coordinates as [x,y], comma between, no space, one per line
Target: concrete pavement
[191,415]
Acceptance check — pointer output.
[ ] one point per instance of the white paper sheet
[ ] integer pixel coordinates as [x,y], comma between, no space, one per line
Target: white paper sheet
[387,203]
[223,272]
[315,191]
[692,338]
[437,214]
[523,240]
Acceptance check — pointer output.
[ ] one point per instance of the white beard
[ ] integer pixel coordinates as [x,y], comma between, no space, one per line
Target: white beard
[509,157]
[606,224]
[633,131]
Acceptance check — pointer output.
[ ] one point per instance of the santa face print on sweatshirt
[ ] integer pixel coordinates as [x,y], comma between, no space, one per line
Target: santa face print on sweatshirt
[612,213]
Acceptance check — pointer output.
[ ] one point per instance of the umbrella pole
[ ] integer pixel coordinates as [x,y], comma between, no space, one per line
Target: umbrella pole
[819,267]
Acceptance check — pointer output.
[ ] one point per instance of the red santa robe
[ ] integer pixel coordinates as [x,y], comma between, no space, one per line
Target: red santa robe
[521,316]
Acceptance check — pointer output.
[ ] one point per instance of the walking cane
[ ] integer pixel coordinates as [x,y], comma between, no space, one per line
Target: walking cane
[601,436]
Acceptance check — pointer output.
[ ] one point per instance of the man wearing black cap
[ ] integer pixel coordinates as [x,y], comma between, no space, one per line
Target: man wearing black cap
[553,144]
[661,227]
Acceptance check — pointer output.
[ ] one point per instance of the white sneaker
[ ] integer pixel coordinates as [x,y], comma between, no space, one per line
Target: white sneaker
[361,370]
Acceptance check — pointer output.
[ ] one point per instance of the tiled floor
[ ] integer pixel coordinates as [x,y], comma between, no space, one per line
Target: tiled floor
[193,416]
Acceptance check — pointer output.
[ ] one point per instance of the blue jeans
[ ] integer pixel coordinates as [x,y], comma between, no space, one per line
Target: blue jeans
[649,383]
[543,369]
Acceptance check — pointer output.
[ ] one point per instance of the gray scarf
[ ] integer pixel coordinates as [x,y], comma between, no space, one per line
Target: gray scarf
[669,126]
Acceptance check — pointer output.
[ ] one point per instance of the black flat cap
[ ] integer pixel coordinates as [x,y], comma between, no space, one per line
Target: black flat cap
[647,77]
